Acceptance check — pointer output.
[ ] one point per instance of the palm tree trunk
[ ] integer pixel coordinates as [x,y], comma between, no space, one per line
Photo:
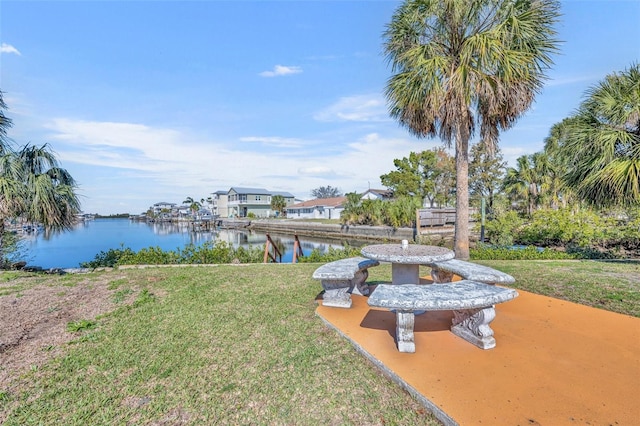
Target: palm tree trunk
[461,237]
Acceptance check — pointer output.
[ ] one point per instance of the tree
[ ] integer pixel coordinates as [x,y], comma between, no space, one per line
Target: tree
[414,176]
[5,124]
[601,142]
[486,171]
[426,175]
[527,181]
[464,64]
[279,204]
[325,192]
[194,205]
[445,178]
[352,212]
[50,191]
[558,194]
[33,186]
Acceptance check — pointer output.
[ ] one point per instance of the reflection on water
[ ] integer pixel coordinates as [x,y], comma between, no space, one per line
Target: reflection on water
[82,243]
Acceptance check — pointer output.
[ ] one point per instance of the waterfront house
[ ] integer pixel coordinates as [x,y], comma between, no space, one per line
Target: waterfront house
[219,204]
[320,208]
[245,202]
[163,210]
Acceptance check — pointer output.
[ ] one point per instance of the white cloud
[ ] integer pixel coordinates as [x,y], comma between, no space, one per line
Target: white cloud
[7,48]
[280,70]
[149,164]
[364,108]
[274,141]
[316,171]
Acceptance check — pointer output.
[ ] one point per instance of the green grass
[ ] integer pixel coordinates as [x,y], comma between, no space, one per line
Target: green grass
[610,285]
[224,345]
[241,344]
[80,325]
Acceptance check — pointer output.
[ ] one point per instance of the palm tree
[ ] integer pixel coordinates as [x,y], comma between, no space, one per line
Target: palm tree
[352,212]
[278,204]
[12,190]
[464,64]
[35,189]
[5,124]
[51,198]
[559,194]
[194,205]
[526,182]
[602,143]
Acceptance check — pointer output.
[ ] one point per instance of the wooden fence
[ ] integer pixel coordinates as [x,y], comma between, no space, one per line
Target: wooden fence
[439,217]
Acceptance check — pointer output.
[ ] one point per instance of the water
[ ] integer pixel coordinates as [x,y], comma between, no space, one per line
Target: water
[81,244]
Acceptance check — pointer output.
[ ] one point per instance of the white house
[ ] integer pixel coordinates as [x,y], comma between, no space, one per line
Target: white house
[244,202]
[162,207]
[219,200]
[320,208]
[377,194]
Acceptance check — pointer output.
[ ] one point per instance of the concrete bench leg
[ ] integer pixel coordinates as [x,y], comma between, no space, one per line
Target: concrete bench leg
[358,284]
[440,276]
[473,326]
[404,331]
[336,294]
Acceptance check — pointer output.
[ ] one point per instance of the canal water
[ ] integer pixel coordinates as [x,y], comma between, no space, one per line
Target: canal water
[87,239]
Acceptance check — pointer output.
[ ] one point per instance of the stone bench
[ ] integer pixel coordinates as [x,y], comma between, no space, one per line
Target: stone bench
[443,271]
[341,277]
[471,302]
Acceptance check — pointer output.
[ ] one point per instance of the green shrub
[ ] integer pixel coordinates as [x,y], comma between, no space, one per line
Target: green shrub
[12,249]
[485,252]
[316,256]
[502,230]
[564,227]
[206,253]
[149,256]
[398,213]
[625,234]
[583,233]
[109,258]
[591,253]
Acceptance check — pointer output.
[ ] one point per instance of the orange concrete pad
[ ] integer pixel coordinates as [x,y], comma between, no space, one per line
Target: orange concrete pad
[555,362]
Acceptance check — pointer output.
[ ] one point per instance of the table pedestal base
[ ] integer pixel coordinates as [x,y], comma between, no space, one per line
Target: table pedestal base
[405,274]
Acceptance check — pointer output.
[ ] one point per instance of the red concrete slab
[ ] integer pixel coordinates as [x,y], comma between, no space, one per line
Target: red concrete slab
[555,362]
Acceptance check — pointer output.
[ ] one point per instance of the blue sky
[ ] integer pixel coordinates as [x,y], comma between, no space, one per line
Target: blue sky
[148,101]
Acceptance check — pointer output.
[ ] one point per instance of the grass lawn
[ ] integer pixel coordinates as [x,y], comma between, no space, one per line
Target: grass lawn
[237,344]
[610,285]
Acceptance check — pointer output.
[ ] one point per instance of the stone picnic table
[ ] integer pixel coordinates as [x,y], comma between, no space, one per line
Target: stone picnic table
[406,259]
[472,300]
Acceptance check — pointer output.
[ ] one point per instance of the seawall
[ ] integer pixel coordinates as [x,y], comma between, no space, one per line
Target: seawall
[356,232]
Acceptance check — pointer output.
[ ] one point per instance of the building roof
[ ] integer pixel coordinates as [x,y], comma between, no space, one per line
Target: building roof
[284,194]
[384,193]
[257,191]
[320,202]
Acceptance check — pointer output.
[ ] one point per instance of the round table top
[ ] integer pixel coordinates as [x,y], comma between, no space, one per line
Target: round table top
[415,254]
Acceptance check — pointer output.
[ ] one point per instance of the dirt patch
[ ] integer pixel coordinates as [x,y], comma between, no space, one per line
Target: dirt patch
[34,321]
